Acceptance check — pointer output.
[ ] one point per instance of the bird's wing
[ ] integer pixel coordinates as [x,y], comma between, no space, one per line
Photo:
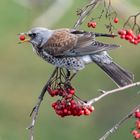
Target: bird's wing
[60,41]
[66,42]
[95,47]
[86,44]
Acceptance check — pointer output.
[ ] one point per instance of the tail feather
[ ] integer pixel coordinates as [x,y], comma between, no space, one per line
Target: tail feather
[119,75]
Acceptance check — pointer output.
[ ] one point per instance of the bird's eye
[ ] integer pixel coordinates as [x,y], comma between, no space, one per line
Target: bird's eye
[32,35]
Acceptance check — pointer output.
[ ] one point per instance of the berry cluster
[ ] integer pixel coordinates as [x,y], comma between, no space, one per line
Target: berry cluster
[136,132]
[60,91]
[129,35]
[124,33]
[68,105]
[92,24]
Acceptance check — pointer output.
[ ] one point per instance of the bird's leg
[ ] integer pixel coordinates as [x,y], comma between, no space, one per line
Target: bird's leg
[67,74]
[67,80]
[70,76]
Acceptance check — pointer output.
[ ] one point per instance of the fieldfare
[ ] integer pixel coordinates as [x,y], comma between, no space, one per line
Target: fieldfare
[73,49]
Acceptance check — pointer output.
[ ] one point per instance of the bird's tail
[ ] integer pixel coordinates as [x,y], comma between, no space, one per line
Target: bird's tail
[119,75]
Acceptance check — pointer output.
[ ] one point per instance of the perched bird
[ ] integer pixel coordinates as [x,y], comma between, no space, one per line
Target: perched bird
[73,49]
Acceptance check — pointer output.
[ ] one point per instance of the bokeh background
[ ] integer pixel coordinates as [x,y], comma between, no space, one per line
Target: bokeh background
[23,74]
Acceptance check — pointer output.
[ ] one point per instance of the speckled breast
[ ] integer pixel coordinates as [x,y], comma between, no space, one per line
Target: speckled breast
[71,63]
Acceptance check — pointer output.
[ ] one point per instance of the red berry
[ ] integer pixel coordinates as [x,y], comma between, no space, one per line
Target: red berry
[55,92]
[138,124]
[53,105]
[116,20]
[119,32]
[49,90]
[137,136]
[132,40]
[138,36]
[71,91]
[134,132]
[73,106]
[89,24]
[128,37]
[65,111]
[122,36]
[122,32]
[69,112]
[93,24]
[135,42]
[86,112]
[137,114]
[72,102]
[130,32]
[81,112]
[22,37]
[91,108]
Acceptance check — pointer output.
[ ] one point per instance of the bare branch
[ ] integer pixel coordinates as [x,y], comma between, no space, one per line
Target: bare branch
[116,126]
[35,110]
[106,93]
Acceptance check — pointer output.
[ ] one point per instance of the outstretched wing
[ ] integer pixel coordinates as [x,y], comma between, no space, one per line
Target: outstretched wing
[66,42]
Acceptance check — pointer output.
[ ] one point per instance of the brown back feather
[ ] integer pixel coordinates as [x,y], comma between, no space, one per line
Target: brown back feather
[61,40]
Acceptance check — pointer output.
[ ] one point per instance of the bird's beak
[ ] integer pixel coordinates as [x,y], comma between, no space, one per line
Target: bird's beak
[27,38]
[23,41]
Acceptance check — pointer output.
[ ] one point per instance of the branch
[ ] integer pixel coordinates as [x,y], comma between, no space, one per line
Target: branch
[106,93]
[35,110]
[133,23]
[85,11]
[116,126]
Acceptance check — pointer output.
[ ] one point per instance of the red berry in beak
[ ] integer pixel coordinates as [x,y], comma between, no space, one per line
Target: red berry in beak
[22,37]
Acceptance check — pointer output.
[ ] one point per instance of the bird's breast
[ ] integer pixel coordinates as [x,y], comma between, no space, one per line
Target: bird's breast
[71,63]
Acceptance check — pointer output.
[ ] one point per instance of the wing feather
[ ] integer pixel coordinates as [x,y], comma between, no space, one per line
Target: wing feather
[66,42]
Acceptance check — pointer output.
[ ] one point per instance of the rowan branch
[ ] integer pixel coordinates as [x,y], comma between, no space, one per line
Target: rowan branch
[35,110]
[106,93]
[84,12]
[133,22]
[116,126]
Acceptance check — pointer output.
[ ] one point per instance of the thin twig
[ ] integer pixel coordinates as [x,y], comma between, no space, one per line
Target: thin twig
[134,23]
[116,126]
[106,93]
[35,110]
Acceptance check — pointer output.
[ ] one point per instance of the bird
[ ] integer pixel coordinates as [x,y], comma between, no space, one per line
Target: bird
[73,49]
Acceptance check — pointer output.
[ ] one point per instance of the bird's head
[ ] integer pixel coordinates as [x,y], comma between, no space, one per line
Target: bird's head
[36,36]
